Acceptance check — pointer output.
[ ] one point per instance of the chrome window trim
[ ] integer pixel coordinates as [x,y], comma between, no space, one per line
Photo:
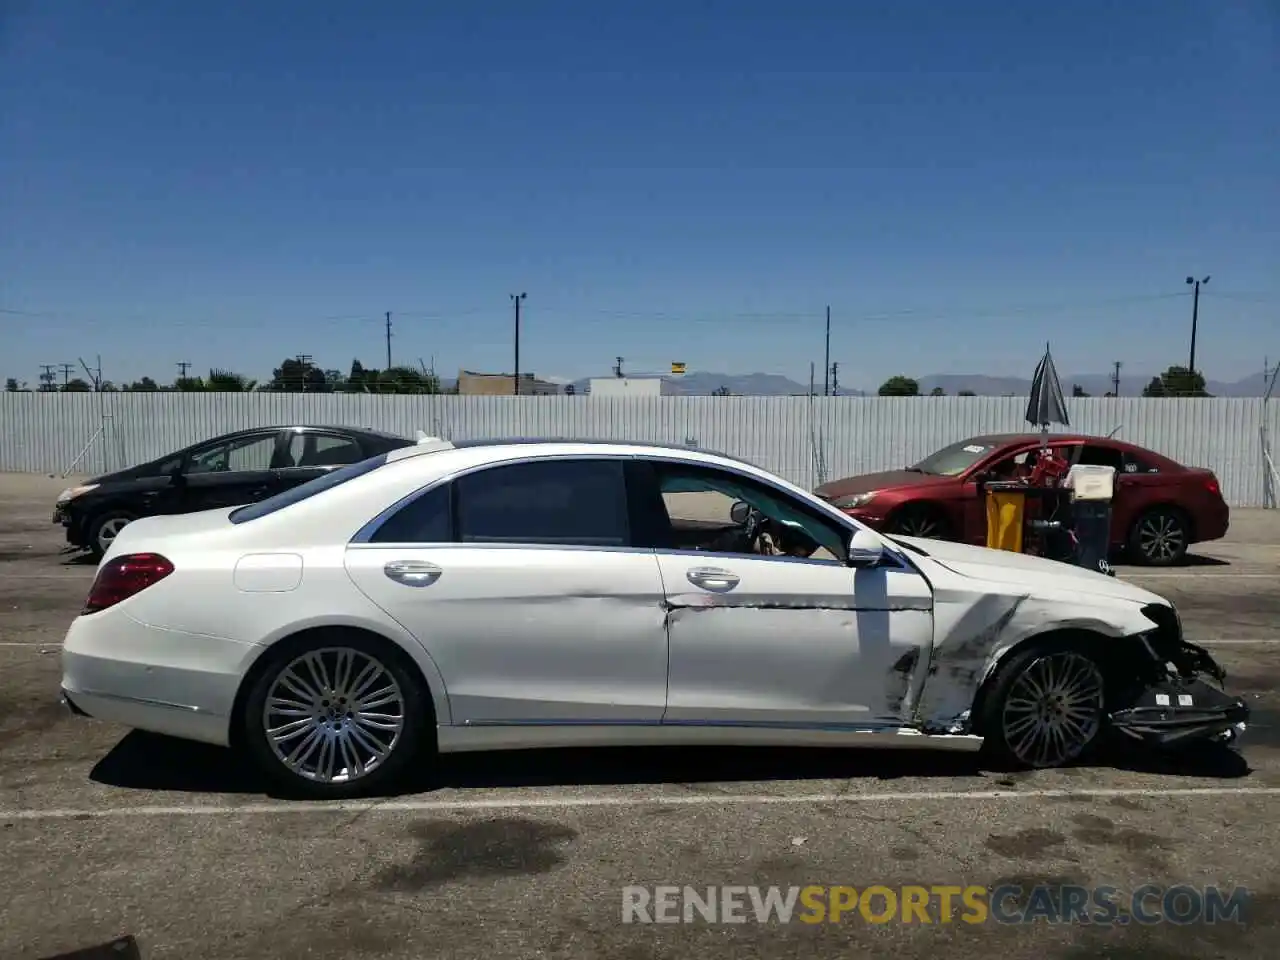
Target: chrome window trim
[364,536]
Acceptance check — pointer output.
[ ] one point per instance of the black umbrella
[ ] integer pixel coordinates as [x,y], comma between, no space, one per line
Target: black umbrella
[1047,404]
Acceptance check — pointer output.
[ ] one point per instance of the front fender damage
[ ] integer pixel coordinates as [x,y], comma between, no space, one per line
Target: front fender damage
[1165,691]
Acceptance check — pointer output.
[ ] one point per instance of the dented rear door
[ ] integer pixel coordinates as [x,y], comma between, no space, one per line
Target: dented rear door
[798,642]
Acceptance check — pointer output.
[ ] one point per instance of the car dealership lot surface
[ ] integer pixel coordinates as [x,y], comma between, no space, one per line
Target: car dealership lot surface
[106,833]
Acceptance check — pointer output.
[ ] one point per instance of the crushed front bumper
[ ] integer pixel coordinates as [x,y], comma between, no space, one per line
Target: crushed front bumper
[1180,706]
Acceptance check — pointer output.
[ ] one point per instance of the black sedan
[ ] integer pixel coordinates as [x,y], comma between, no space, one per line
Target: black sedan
[228,471]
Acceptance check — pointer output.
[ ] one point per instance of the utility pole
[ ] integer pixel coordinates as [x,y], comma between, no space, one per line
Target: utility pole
[1195,316]
[95,379]
[811,376]
[1115,378]
[182,369]
[517,299]
[47,376]
[388,339]
[617,369]
[826,359]
[835,380]
[66,372]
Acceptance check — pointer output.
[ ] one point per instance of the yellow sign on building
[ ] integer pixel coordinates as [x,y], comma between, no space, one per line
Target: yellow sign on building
[677,368]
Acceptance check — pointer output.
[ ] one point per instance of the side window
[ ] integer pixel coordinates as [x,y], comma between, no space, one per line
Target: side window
[426,519]
[322,450]
[1136,464]
[578,502]
[699,502]
[1094,455]
[249,453]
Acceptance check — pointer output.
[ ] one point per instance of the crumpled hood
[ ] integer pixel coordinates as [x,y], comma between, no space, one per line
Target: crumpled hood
[1028,573]
[867,482]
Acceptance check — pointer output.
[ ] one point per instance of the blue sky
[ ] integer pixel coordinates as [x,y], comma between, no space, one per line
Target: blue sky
[231,183]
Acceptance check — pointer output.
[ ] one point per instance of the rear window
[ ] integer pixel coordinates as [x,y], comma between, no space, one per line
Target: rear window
[307,490]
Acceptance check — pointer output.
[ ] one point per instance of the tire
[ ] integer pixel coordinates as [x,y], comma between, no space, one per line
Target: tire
[1160,537]
[1018,726]
[103,528]
[919,521]
[322,750]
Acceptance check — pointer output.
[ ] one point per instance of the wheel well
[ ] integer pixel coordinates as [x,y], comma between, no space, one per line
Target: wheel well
[1183,512]
[296,642]
[1113,653]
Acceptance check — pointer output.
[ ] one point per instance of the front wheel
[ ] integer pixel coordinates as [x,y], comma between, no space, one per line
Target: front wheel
[920,521]
[1046,707]
[335,719]
[104,528]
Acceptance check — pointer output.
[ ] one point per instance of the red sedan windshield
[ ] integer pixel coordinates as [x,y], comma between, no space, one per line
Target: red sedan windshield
[954,460]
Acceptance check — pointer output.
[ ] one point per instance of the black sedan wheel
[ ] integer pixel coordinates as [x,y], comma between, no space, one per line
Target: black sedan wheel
[104,528]
[1160,537]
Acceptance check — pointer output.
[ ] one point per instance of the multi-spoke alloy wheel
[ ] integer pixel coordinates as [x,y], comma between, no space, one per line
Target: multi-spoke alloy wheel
[1053,709]
[334,715]
[1161,537]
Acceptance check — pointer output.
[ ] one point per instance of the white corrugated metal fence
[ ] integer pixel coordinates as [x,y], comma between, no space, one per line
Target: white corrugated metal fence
[805,440]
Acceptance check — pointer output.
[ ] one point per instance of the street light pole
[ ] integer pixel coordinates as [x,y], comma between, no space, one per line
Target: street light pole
[1195,316]
[517,299]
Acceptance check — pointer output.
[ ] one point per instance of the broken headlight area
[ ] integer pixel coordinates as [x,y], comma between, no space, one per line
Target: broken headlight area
[1171,701]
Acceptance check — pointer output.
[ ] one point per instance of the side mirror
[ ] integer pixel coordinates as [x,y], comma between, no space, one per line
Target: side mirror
[739,512]
[865,549]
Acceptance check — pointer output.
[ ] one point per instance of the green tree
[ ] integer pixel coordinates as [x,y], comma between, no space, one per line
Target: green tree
[966,393]
[145,385]
[1176,382]
[189,385]
[108,387]
[11,386]
[227,381]
[406,380]
[76,385]
[1077,390]
[296,376]
[900,386]
[721,391]
[937,392]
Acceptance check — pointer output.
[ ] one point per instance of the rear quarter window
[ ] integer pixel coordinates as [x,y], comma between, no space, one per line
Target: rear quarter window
[306,491]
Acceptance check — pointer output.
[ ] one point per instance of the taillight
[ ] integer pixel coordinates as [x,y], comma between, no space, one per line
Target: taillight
[123,577]
[1212,486]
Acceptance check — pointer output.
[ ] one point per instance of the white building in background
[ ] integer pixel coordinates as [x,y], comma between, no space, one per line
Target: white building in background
[627,387]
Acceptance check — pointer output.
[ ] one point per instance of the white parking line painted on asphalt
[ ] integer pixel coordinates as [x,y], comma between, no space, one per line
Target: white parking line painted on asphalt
[692,800]
[1240,643]
[1126,575]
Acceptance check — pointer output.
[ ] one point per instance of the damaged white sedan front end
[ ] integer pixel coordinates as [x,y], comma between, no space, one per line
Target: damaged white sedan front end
[992,605]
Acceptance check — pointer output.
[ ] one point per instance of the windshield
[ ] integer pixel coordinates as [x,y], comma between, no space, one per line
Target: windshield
[307,490]
[954,460]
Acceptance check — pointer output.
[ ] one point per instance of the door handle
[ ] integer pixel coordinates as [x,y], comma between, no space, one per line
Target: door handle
[712,578]
[412,573]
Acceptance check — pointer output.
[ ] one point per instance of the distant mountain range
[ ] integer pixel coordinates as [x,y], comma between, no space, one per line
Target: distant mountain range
[702,383]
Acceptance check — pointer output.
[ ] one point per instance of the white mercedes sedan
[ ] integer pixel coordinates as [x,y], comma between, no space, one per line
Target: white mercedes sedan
[516,594]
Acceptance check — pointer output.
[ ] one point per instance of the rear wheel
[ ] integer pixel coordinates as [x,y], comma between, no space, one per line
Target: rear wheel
[1046,707]
[339,717]
[1160,537]
[104,528]
[920,521]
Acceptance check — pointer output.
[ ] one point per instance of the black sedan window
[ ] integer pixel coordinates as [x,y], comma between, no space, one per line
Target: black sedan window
[307,490]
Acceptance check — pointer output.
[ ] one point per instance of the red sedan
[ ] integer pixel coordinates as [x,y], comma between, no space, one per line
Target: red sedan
[1160,507]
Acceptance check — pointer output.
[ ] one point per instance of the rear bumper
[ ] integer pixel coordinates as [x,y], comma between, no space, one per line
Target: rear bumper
[122,671]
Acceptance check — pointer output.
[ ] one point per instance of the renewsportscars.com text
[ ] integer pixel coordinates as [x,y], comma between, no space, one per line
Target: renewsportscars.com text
[936,904]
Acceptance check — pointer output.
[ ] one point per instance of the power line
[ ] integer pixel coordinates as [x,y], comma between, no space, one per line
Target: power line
[183,366]
[66,372]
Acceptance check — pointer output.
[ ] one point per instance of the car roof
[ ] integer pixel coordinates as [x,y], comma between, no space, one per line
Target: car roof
[575,445]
